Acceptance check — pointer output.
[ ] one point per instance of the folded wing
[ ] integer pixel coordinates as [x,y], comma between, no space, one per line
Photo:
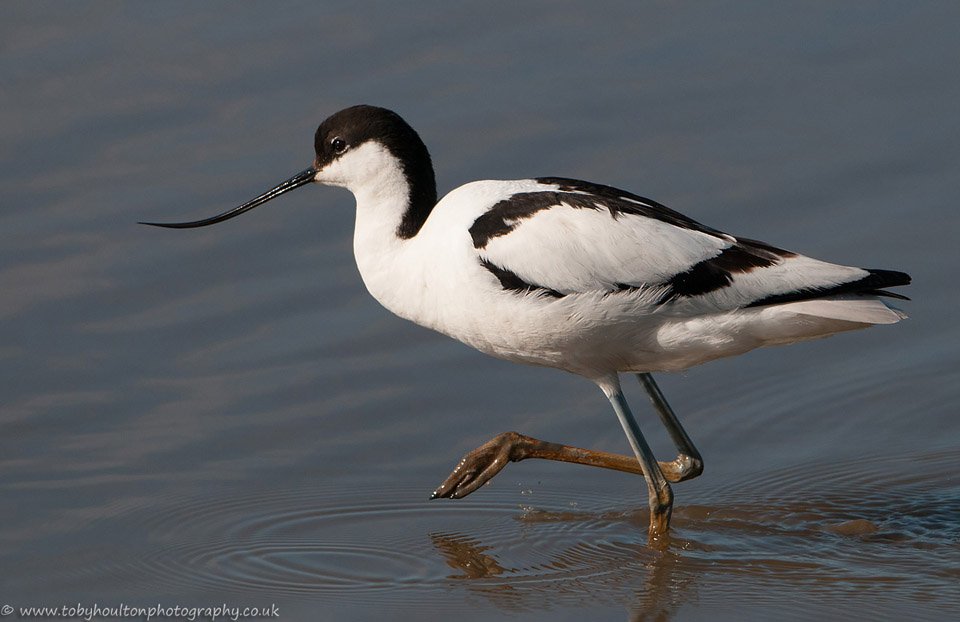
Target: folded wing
[567,237]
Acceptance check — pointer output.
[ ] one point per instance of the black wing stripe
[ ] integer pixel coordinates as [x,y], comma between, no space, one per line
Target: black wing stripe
[872,285]
[503,217]
[625,202]
[512,282]
[717,272]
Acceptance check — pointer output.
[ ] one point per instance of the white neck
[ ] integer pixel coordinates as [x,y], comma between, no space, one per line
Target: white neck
[376,179]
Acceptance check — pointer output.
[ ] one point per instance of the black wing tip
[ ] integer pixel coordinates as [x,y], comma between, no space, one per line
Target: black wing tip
[871,285]
[888,278]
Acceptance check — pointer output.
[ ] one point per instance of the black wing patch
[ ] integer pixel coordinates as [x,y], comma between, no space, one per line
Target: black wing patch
[503,217]
[717,272]
[512,282]
[623,202]
[871,285]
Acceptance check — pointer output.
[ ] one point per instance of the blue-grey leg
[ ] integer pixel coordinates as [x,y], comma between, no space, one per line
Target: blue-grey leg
[688,464]
[661,497]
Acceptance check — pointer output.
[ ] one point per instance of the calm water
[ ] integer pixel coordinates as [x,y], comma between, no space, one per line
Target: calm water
[224,416]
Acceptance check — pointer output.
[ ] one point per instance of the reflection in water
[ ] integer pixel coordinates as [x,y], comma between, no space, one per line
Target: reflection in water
[551,571]
[664,585]
[877,530]
[467,555]
[668,585]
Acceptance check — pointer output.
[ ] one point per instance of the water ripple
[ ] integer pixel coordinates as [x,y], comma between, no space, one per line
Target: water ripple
[299,542]
[872,527]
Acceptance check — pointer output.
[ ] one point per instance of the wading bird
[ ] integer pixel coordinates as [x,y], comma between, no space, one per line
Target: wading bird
[573,275]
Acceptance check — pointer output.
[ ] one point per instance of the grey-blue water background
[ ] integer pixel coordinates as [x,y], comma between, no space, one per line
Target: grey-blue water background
[224,416]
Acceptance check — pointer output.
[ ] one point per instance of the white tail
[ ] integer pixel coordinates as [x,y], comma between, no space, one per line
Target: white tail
[860,309]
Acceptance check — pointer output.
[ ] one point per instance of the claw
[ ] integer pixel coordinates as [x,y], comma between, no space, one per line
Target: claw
[478,467]
[449,487]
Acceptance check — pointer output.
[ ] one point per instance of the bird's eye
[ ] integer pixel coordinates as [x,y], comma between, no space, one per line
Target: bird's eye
[338,144]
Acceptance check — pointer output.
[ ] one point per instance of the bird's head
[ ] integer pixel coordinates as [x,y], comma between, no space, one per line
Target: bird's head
[369,151]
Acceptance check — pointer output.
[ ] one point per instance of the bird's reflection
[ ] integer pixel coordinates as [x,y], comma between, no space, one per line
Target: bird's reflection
[666,586]
[467,555]
[579,572]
